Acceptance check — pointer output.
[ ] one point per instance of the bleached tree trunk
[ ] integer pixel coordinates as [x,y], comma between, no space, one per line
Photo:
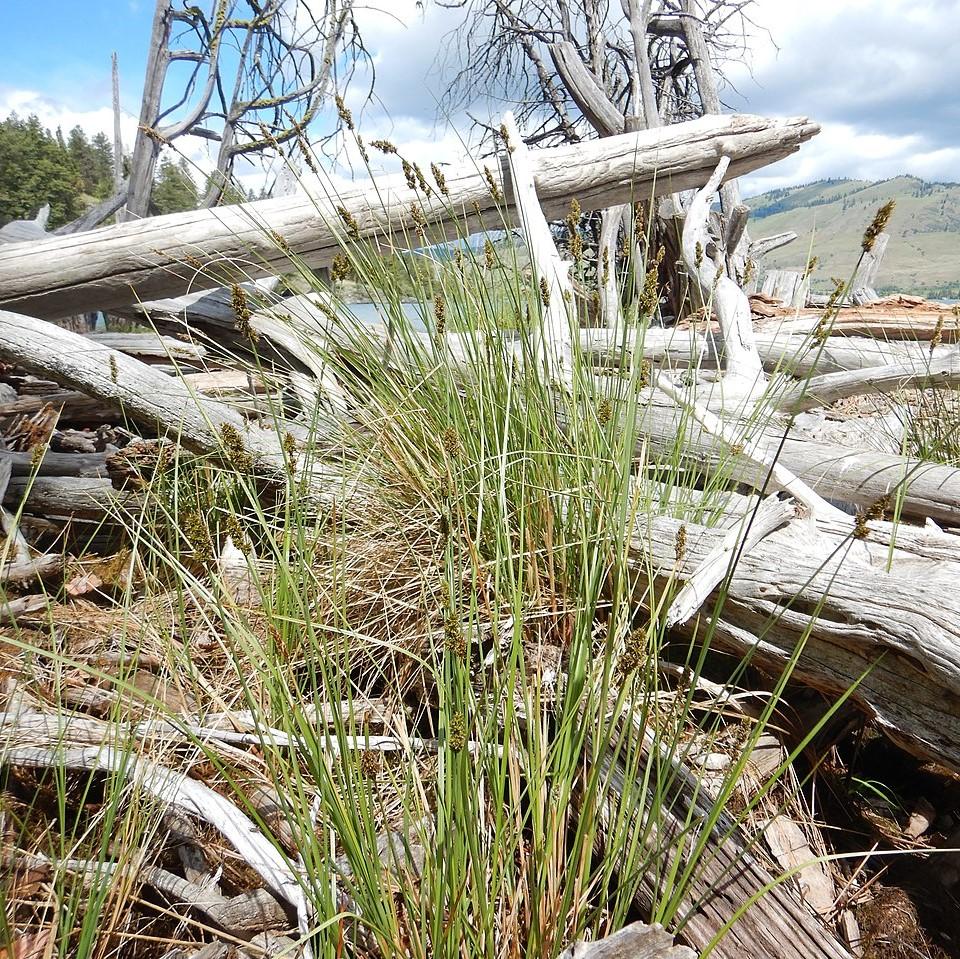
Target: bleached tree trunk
[554,336]
[710,101]
[167,256]
[741,360]
[117,136]
[146,149]
[637,13]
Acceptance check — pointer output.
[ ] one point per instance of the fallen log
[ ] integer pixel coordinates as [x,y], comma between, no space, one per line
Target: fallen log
[72,407]
[68,497]
[170,255]
[881,320]
[781,351]
[726,875]
[883,622]
[150,346]
[827,389]
[55,464]
[174,789]
[636,941]
[24,607]
[126,384]
[22,571]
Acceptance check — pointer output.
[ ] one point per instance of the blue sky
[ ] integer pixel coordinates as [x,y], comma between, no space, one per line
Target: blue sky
[62,48]
[880,75]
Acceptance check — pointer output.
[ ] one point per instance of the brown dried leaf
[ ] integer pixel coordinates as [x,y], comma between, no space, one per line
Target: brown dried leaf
[83,583]
[32,946]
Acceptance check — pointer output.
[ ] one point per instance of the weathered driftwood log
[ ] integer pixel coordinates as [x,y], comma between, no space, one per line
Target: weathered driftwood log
[23,607]
[790,287]
[95,215]
[780,351]
[135,388]
[860,477]
[68,497]
[149,346]
[863,285]
[636,941]
[22,571]
[740,358]
[170,255]
[42,741]
[586,90]
[892,633]
[827,389]
[727,875]
[799,355]
[241,916]
[553,337]
[55,464]
[73,408]
[767,244]
[884,321]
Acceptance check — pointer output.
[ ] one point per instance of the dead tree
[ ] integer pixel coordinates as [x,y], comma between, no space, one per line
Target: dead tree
[261,72]
[578,68]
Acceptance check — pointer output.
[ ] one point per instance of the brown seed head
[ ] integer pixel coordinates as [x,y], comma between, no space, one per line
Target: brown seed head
[440,179]
[879,223]
[544,291]
[346,116]
[680,544]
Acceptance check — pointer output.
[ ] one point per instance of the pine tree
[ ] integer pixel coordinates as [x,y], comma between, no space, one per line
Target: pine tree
[82,155]
[36,168]
[102,166]
[174,189]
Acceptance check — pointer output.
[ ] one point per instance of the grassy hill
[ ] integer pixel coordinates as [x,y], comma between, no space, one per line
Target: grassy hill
[830,216]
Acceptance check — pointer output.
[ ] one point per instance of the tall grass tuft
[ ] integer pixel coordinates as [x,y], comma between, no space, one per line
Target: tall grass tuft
[452,666]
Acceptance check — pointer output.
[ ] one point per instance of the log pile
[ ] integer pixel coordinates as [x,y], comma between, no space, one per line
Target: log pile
[823,577]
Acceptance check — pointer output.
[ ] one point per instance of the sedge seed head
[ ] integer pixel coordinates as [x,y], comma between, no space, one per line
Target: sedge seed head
[408,173]
[680,543]
[235,452]
[242,313]
[290,452]
[346,117]
[604,412]
[440,311]
[422,181]
[439,179]
[349,221]
[634,653]
[650,295]
[544,291]
[457,732]
[419,220]
[879,223]
[937,337]
[860,528]
[451,442]
[371,761]
[340,268]
[453,637]
[495,190]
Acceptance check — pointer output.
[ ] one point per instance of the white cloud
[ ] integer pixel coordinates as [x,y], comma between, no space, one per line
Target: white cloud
[54,113]
[879,75]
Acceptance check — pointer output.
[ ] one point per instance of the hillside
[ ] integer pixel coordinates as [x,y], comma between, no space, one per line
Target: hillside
[830,216]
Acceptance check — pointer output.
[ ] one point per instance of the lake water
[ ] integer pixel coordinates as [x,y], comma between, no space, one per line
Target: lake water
[371,313]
